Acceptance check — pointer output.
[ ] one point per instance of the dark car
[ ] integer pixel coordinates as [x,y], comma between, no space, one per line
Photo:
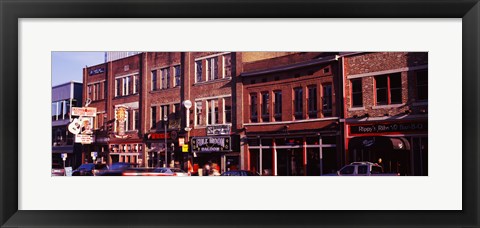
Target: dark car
[239,173]
[116,169]
[88,169]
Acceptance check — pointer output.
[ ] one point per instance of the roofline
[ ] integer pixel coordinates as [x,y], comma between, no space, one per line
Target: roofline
[66,83]
[291,67]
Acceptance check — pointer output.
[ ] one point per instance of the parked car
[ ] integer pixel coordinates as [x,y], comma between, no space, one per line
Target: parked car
[58,170]
[89,169]
[160,171]
[239,173]
[363,169]
[116,169]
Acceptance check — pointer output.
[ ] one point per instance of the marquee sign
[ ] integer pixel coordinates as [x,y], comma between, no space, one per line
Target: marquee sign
[391,127]
[211,144]
[121,117]
[84,111]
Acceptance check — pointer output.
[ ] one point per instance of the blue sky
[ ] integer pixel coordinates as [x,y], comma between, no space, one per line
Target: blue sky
[68,66]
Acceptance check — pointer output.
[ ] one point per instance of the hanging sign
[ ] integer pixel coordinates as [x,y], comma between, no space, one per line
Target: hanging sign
[121,117]
[84,111]
[211,144]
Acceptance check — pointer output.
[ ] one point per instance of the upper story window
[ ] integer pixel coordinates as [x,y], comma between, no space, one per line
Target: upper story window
[327,100]
[198,70]
[61,110]
[357,92]
[165,78]
[136,84]
[118,83]
[278,105]
[154,80]
[177,71]
[126,86]
[212,112]
[312,102]
[90,92]
[198,113]
[421,78]
[227,65]
[265,107]
[153,117]
[136,120]
[298,103]
[388,89]
[227,101]
[165,113]
[212,68]
[253,108]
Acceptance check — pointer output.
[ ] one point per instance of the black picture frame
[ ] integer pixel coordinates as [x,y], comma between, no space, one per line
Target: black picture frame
[11,11]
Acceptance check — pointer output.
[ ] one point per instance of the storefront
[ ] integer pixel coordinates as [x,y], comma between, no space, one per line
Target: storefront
[311,154]
[400,147]
[220,151]
[126,151]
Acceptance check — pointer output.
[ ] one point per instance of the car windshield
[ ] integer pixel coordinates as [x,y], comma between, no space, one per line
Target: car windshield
[119,166]
[178,170]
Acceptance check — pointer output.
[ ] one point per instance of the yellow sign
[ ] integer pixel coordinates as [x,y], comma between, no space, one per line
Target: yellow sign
[185,148]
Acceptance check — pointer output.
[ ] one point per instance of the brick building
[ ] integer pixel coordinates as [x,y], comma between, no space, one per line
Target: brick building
[386,109]
[291,114]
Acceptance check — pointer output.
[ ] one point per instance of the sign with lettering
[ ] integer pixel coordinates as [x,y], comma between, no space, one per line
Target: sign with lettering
[84,111]
[211,144]
[218,130]
[158,136]
[96,71]
[185,148]
[121,117]
[84,139]
[391,127]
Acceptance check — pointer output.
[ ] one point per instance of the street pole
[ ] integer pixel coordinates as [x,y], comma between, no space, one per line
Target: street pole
[165,118]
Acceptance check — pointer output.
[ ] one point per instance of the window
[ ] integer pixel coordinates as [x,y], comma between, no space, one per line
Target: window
[54,111]
[362,169]
[176,109]
[265,107]
[165,78]
[153,117]
[253,108]
[165,111]
[278,105]
[198,113]
[117,86]
[312,102]
[177,75]
[422,85]
[136,120]
[388,89]
[212,68]
[97,92]
[212,112]
[227,66]
[348,170]
[327,100]
[154,80]
[198,70]
[298,103]
[90,92]
[228,109]
[125,87]
[357,94]
[136,84]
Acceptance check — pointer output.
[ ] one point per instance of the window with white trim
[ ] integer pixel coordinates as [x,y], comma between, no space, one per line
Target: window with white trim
[212,68]
[227,65]
[198,71]
[198,113]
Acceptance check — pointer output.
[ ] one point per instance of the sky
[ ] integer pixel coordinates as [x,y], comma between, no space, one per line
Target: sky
[68,66]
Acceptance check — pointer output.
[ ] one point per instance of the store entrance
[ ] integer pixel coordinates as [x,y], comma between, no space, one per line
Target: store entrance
[289,162]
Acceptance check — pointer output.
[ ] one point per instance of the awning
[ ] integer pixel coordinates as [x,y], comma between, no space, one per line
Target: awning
[379,143]
[62,149]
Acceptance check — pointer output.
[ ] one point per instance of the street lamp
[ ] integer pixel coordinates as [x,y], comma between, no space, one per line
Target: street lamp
[165,118]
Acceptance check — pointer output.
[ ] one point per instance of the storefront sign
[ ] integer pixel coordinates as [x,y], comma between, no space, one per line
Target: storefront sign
[396,127]
[211,144]
[185,148]
[96,71]
[84,139]
[218,130]
[181,141]
[84,111]
[75,126]
[121,117]
[86,125]
[154,136]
